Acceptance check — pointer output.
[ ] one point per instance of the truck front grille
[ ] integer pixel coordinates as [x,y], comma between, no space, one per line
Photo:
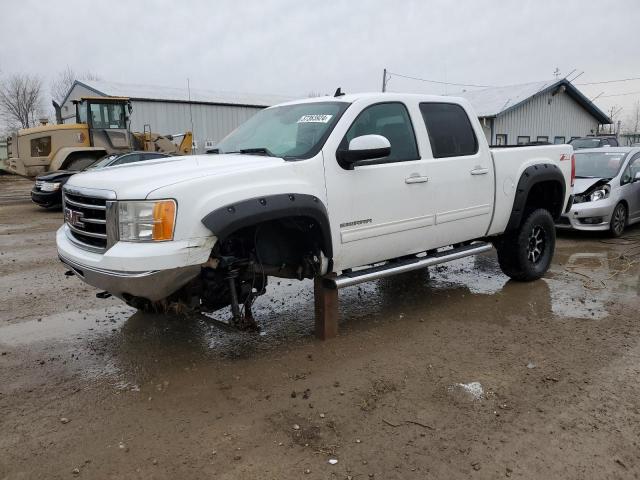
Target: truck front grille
[86,217]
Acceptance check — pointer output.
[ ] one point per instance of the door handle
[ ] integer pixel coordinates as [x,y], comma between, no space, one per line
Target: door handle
[415,178]
[479,171]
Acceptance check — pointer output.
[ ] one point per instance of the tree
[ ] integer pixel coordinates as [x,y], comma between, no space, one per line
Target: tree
[21,99]
[63,82]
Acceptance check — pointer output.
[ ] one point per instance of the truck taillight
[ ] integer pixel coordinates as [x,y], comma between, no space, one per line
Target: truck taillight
[573,168]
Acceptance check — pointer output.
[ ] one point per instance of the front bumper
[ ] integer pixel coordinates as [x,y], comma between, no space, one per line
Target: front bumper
[148,270]
[588,216]
[46,199]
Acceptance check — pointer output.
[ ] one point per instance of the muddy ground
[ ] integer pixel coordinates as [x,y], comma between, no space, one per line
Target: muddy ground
[455,373]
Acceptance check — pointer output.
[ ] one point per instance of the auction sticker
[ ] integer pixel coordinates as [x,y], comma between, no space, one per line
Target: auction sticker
[315,118]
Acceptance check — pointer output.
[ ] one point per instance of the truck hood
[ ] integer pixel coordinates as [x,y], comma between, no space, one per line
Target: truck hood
[581,185]
[137,180]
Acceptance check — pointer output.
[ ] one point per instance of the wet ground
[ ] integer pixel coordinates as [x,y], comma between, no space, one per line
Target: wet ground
[454,373]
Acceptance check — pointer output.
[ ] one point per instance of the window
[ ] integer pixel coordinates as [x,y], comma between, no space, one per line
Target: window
[523,140]
[131,158]
[41,147]
[543,139]
[631,171]
[295,131]
[392,121]
[107,115]
[558,140]
[449,128]
[501,139]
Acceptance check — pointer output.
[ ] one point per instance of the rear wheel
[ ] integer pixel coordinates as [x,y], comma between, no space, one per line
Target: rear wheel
[618,220]
[526,253]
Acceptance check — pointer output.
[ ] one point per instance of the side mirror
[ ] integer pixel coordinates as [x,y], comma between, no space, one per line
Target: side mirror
[365,147]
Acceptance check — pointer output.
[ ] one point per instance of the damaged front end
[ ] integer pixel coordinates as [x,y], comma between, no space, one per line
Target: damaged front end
[592,206]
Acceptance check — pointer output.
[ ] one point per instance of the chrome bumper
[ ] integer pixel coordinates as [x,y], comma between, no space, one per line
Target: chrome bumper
[153,285]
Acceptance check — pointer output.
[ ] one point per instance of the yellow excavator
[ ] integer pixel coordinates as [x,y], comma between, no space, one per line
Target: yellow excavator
[101,128]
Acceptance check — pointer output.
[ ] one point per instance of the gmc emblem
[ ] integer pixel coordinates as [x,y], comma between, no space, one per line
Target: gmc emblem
[73,218]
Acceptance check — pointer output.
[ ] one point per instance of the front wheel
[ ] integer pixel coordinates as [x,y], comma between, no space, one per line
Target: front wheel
[618,220]
[526,253]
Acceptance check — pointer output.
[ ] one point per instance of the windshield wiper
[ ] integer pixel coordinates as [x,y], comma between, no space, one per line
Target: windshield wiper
[258,150]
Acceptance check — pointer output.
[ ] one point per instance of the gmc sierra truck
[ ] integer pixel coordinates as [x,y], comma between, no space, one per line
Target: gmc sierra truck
[348,188]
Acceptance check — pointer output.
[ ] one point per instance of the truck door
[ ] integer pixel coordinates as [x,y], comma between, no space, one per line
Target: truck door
[378,211]
[460,173]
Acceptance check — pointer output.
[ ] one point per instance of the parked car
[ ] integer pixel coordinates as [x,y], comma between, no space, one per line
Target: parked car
[606,194]
[321,188]
[47,190]
[593,142]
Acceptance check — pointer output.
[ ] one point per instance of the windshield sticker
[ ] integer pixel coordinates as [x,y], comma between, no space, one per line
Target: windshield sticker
[315,118]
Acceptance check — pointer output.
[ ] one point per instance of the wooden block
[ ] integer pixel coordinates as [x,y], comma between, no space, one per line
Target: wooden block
[326,310]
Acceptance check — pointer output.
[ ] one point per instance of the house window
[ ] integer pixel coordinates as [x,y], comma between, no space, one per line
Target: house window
[558,140]
[523,140]
[543,139]
[501,139]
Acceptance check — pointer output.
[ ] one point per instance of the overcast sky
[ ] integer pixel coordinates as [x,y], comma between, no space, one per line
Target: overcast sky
[296,47]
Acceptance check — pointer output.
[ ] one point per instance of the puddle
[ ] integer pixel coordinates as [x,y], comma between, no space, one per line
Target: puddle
[76,325]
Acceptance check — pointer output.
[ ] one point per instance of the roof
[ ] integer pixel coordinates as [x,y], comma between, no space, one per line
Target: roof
[174,94]
[494,101]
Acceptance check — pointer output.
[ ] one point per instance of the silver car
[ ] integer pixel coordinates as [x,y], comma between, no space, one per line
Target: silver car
[606,193]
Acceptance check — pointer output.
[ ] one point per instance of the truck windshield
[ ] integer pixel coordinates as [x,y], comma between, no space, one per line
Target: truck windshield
[598,165]
[290,131]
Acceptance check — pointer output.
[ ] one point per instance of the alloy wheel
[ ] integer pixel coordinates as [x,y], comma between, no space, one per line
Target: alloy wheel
[537,243]
[619,220]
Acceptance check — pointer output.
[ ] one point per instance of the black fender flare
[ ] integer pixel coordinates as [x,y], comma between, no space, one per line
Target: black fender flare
[531,176]
[225,220]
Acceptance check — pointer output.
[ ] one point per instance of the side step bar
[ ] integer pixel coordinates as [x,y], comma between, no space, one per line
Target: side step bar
[393,268]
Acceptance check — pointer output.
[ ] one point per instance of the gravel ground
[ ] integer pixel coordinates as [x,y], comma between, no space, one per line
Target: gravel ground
[452,373]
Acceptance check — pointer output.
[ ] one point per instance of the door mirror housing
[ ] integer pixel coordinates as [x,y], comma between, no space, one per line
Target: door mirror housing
[363,148]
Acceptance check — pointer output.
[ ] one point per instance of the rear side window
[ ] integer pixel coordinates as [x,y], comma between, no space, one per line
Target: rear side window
[392,121]
[449,128]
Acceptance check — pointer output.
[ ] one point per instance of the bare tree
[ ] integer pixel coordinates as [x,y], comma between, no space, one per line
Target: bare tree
[63,82]
[21,99]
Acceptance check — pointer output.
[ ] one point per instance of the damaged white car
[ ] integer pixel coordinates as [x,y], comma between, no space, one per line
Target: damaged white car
[606,191]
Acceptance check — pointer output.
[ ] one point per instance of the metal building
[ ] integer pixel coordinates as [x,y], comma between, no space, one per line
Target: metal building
[210,115]
[553,111]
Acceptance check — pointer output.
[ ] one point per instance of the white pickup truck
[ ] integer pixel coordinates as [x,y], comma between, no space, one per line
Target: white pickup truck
[348,188]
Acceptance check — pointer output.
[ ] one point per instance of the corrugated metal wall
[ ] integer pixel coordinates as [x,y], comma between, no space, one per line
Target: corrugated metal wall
[210,122]
[544,115]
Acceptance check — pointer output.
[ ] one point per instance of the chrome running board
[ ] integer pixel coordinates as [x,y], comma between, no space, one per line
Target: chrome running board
[406,265]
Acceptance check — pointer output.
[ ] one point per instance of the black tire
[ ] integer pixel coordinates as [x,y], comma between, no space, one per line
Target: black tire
[618,220]
[525,254]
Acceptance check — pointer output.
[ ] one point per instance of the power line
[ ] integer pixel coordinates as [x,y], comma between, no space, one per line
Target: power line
[610,81]
[437,81]
[621,94]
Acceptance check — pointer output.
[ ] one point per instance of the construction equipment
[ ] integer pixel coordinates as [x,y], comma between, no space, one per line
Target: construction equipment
[102,127]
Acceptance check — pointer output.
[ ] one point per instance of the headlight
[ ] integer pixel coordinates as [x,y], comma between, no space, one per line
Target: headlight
[600,193]
[147,221]
[49,186]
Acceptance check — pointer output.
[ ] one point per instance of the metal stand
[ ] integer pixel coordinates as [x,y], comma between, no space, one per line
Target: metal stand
[326,309]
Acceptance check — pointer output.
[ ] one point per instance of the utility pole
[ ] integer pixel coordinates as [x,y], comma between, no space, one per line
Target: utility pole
[384,80]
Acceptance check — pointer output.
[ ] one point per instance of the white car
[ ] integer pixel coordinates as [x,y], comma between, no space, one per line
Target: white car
[606,191]
[344,189]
